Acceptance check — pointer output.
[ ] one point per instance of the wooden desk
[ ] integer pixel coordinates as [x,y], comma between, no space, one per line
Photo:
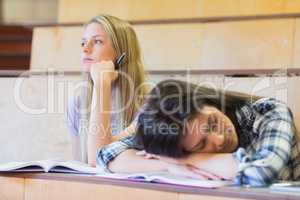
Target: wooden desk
[52,186]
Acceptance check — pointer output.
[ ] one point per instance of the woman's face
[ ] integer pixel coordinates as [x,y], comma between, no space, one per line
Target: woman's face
[96,46]
[210,132]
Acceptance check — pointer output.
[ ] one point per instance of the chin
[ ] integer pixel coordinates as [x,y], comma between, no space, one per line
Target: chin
[86,68]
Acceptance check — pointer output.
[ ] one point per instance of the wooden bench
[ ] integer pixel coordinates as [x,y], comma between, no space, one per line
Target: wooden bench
[15,47]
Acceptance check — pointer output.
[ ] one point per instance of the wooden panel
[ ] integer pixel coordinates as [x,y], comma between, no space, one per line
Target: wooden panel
[227,7]
[276,6]
[29,11]
[53,190]
[128,9]
[14,62]
[248,7]
[200,197]
[171,46]
[248,44]
[13,47]
[276,87]
[1,8]
[282,88]
[11,188]
[14,31]
[157,9]
[296,53]
[80,11]
[56,46]
[231,45]
[212,81]
[180,46]
[294,98]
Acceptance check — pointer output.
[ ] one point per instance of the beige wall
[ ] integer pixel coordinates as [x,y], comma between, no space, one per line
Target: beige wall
[33,117]
[29,11]
[56,47]
[80,11]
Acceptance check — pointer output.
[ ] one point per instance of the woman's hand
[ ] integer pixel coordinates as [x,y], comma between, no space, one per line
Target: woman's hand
[103,71]
[192,172]
[159,157]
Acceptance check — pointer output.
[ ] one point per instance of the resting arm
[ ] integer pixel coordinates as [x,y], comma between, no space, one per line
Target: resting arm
[120,156]
[220,164]
[99,133]
[204,166]
[129,162]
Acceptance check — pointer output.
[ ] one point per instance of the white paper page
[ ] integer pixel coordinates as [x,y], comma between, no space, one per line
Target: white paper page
[165,177]
[75,167]
[11,166]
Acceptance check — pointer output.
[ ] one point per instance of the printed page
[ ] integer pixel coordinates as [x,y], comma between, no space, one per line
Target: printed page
[167,178]
[21,166]
[75,167]
[29,166]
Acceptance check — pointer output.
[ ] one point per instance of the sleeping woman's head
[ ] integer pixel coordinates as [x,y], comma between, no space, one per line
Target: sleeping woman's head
[180,118]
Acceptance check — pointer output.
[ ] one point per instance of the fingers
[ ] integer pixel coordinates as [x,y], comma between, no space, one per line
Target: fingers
[147,155]
[141,153]
[205,174]
[152,156]
[104,65]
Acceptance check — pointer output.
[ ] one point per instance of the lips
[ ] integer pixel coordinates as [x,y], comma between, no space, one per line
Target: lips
[88,60]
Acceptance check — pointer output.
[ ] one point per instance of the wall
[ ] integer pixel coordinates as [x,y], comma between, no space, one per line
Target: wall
[29,11]
[224,45]
[80,11]
[33,118]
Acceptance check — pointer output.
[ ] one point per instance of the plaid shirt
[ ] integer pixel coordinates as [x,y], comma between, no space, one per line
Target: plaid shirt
[268,149]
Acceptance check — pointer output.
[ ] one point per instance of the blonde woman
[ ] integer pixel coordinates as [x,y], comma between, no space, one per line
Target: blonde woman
[111,56]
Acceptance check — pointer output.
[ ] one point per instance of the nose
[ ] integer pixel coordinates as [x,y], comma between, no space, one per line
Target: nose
[218,139]
[87,47]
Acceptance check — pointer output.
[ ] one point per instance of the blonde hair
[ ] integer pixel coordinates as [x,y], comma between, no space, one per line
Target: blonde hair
[124,40]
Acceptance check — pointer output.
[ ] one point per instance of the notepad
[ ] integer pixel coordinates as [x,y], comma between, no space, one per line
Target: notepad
[51,165]
[170,179]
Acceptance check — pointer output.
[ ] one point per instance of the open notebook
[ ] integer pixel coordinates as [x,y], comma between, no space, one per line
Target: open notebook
[55,165]
[170,179]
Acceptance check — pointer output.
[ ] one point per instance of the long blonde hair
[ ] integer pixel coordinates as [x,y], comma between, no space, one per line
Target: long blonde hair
[124,40]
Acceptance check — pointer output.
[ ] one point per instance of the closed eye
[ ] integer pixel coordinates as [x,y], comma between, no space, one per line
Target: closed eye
[200,146]
[212,122]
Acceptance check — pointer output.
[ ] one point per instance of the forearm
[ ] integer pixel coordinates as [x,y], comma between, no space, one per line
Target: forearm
[221,164]
[129,162]
[99,125]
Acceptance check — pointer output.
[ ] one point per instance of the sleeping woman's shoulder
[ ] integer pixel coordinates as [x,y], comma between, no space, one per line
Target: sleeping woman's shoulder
[272,108]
